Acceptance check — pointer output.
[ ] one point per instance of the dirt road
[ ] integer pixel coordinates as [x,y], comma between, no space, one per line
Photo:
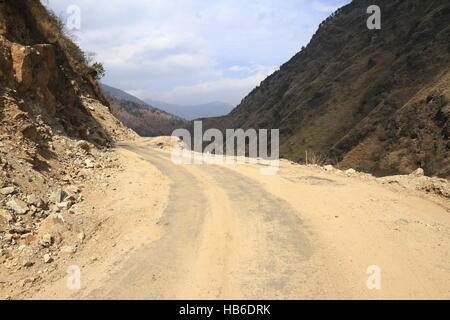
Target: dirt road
[228,232]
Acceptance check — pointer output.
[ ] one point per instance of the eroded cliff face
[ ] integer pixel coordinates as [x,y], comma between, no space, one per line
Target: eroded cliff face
[46,87]
[374,100]
[55,124]
[44,74]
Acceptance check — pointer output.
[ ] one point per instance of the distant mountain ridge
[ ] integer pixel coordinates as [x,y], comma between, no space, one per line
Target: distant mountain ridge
[146,120]
[191,112]
[187,112]
[120,94]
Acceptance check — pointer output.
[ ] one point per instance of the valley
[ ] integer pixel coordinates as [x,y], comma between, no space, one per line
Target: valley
[353,202]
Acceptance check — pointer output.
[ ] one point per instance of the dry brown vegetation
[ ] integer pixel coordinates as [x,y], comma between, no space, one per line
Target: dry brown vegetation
[145,120]
[374,100]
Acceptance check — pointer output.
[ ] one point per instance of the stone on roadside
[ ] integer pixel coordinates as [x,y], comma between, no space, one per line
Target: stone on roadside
[54,226]
[28,264]
[33,199]
[47,258]
[7,191]
[47,239]
[63,205]
[17,206]
[350,171]
[89,163]
[58,195]
[81,236]
[8,217]
[419,172]
[68,249]
[328,167]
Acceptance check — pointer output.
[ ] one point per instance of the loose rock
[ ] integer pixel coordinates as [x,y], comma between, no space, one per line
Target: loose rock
[6,215]
[7,191]
[58,196]
[89,164]
[47,258]
[419,173]
[81,236]
[68,249]
[28,264]
[63,205]
[47,239]
[17,206]
[33,199]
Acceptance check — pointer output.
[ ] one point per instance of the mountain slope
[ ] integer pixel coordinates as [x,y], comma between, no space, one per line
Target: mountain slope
[212,109]
[146,120]
[47,89]
[55,130]
[120,94]
[375,100]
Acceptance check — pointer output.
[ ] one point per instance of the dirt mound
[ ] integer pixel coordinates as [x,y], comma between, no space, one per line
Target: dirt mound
[437,186]
[163,142]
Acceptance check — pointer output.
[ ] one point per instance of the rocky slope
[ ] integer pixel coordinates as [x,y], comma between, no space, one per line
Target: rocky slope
[374,100]
[146,120]
[55,128]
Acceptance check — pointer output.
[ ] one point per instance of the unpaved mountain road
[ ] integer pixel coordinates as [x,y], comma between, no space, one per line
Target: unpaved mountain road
[228,232]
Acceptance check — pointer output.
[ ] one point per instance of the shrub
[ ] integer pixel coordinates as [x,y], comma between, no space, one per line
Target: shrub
[71,46]
[99,70]
[57,21]
[315,158]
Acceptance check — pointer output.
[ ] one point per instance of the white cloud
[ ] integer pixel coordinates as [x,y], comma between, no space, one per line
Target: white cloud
[238,68]
[319,6]
[194,50]
[226,89]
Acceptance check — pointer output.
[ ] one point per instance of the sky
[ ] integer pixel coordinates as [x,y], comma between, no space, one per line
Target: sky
[192,51]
